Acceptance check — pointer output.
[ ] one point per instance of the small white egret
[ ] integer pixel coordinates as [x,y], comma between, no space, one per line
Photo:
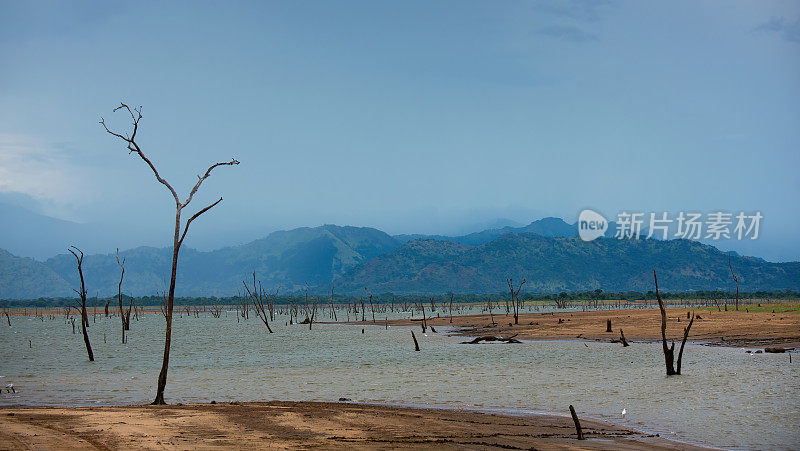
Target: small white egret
[624,411]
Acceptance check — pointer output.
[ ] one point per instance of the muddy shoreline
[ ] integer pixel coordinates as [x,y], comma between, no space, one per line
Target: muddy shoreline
[292,425]
[716,328]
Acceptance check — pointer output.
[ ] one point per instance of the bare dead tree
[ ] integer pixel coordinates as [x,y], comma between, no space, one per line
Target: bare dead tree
[82,293]
[258,296]
[5,312]
[372,307]
[683,342]
[178,237]
[735,279]
[515,302]
[625,342]
[451,308]
[416,344]
[669,352]
[576,421]
[124,318]
[333,310]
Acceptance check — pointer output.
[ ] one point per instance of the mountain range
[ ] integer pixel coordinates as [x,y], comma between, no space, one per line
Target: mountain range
[546,252]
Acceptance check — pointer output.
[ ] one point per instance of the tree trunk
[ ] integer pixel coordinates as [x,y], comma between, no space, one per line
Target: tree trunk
[162,376]
[625,342]
[416,344]
[685,336]
[576,421]
[669,352]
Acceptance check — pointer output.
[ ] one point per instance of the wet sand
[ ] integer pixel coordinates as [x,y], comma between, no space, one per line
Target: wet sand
[731,328]
[300,425]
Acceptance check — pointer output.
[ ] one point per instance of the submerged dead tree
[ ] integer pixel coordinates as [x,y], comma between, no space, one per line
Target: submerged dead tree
[258,296]
[515,302]
[669,352]
[178,236]
[125,317]
[735,279]
[84,317]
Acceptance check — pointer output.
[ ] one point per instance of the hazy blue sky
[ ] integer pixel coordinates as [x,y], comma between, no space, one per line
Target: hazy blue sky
[426,116]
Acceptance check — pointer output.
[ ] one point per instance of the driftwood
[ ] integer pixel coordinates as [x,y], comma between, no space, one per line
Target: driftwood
[488,338]
[576,421]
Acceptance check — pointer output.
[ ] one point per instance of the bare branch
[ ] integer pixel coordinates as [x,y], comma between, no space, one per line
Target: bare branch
[133,147]
[186,228]
[205,176]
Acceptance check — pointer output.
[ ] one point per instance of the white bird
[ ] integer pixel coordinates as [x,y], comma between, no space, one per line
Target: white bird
[624,411]
[10,388]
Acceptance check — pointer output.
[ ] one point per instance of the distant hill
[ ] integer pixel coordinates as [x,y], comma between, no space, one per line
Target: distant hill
[546,252]
[553,264]
[22,278]
[552,227]
[289,259]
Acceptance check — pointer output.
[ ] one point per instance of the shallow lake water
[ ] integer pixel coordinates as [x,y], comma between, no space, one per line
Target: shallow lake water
[725,398]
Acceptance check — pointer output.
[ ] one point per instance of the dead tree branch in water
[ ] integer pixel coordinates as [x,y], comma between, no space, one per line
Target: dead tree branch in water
[625,342]
[451,308]
[125,318]
[371,306]
[178,237]
[669,353]
[416,344]
[82,293]
[576,421]
[735,279]
[258,296]
[489,338]
[683,342]
[515,302]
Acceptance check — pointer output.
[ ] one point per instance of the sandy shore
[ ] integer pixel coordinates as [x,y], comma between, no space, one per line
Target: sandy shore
[301,425]
[731,328]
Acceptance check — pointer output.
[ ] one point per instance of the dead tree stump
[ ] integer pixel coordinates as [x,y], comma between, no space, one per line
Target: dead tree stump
[416,344]
[576,421]
[608,325]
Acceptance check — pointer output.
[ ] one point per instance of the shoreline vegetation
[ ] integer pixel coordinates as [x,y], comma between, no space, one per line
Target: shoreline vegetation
[293,425]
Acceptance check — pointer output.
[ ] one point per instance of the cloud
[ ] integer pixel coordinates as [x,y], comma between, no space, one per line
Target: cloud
[566,33]
[786,29]
[40,170]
